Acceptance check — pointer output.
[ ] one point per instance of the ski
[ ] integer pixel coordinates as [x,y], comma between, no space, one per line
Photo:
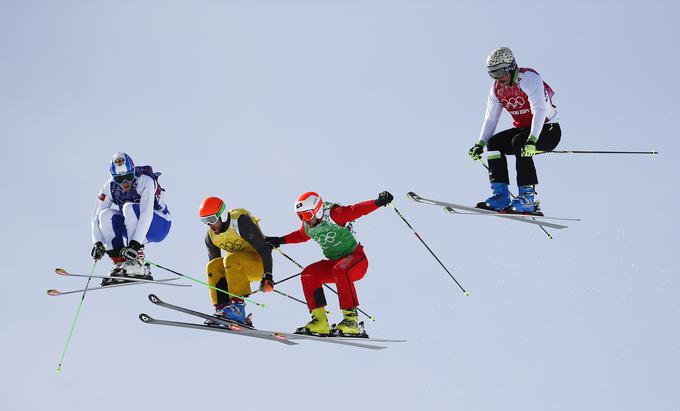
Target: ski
[363,336]
[225,322]
[146,319]
[525,218]
[56,293]
[247,330]
[452,210]
[330,339]
[65,273]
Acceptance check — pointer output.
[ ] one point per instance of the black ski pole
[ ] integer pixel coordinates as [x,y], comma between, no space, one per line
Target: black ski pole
[513,196]
[325,285]
[287,278]
[289,296]
[596,152]
[430,250]
[279,282]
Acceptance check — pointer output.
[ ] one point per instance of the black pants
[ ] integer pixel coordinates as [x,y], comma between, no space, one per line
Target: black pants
[510,142]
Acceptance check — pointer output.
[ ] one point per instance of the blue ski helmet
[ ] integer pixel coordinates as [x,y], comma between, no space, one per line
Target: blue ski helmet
[122,168]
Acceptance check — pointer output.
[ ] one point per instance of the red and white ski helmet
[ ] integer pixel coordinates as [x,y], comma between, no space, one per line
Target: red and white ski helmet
[500,62]
[308,206]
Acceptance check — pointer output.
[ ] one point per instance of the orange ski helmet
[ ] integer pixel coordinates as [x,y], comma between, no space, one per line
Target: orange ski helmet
[211,210]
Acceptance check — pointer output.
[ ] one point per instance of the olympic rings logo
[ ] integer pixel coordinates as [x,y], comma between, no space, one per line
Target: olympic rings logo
[325,238]
[513,102]
[231,246]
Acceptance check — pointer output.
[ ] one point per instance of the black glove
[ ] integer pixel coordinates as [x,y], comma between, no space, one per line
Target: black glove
[384,199]
[98,250]
[133,251]
[267,283]
[274,242]
[476,151]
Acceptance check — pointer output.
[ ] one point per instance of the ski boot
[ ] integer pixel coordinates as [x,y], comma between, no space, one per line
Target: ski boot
[524,202]
[319,324]
[499,200]
[128,269]
[235,313]
[349,326]
[115,272]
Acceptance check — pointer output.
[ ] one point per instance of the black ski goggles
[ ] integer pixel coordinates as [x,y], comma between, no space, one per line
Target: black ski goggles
[122,178]
[501,70]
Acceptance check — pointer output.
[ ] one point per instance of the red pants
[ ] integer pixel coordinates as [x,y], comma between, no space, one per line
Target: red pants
[343,272]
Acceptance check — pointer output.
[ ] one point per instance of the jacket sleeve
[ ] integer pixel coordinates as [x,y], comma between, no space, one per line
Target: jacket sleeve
[344,214]
[147,190]
[297,236]
[533,86]
[493,113]
[250,232]
[213,250]
[104,202]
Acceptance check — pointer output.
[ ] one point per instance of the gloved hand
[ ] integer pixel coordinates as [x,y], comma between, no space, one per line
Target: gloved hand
[384,199]
[274,242]
[133,251]
[529,149]
[475,152]
[98,250]
[267,283]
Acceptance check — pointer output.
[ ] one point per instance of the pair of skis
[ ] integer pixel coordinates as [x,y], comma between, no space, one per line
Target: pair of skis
[128,281]
[466,210]
[225,326]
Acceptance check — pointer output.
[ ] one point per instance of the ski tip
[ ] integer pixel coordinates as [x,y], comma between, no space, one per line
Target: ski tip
[53,292]
[411,195]
[60,271]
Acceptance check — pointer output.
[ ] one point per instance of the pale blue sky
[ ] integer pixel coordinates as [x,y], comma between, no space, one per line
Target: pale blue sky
[258,102]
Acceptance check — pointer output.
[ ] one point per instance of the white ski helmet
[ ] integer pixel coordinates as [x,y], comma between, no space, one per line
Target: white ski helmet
[500,62]
[308,206]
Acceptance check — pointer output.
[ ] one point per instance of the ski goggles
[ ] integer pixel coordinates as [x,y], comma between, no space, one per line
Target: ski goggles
[211,219]
[499,73]
[122,178]
[305,215]
[501,70]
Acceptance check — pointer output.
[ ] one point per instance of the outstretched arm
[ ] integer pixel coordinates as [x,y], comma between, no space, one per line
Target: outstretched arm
[297,236]
[344,214]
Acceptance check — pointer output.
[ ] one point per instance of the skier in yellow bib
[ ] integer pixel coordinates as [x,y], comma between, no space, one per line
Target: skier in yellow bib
[248,257]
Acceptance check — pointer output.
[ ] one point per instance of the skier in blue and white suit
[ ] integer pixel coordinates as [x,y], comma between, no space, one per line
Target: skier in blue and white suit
[130,209]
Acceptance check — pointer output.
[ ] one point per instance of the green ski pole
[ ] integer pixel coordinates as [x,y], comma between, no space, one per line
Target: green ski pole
[206,284]
[75,319]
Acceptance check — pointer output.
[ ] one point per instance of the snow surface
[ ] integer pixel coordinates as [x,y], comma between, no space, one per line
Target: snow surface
[259,102]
